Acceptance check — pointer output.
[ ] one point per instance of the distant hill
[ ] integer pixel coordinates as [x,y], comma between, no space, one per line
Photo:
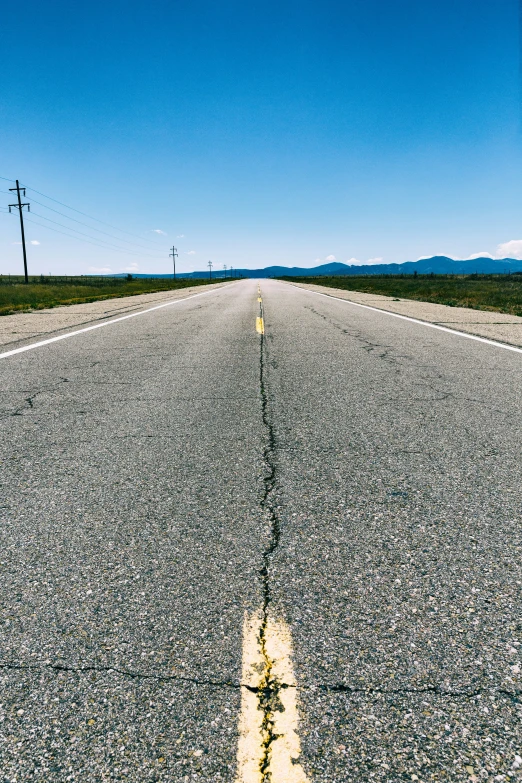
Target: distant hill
[439,265]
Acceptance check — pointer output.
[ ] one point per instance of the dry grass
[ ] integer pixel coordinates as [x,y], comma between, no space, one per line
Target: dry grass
[500,293]
[43,292]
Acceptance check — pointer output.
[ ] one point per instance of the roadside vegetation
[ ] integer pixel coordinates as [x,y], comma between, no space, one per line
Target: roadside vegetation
[49,291]
[501,293]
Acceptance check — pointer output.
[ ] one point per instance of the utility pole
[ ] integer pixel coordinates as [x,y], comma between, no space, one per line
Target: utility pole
[225,268]
[174,256]
[209,270]
[20,207]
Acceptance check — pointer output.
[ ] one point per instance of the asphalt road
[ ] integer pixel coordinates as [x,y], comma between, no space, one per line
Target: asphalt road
[152,468]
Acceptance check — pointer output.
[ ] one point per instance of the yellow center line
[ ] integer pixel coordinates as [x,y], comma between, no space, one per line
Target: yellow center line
[272,667]
[260,324]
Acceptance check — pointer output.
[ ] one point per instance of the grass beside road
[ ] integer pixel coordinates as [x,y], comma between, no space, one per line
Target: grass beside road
[500,293]
[42,292]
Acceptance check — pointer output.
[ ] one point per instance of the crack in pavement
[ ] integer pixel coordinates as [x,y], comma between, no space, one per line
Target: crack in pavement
[425,381]
[261,691]
[29,401]
[428,383]
[366,344]
[436,689]
[268,692]
[58,667]
[137,675]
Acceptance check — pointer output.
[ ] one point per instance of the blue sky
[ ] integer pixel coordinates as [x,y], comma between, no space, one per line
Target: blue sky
[257,133]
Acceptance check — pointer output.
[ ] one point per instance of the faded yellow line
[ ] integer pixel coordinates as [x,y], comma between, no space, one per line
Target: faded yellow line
[280,752]
[250,744]
[259,299]
[260,326]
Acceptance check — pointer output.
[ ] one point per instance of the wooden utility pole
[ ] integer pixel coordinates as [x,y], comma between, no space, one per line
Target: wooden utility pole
[19,206]
[209,270]
[174,256]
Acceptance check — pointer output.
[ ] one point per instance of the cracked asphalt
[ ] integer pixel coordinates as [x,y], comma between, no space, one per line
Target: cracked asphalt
[136,462]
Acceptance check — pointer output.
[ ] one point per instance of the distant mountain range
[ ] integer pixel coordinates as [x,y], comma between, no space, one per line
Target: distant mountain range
[439,265]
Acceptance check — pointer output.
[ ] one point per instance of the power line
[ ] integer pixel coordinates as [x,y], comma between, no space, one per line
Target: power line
[122,230]
[81,235]
[107,244]
[81,223]
[104,247]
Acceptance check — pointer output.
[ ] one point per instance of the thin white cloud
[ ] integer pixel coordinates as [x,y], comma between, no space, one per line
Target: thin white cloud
[180,236]
[100,270]
[16,243]
[132,268]
[435,255]
[511,249]
[191,253]
[479,255]
[324,260]
[159,231]
[34,242]
[353,261]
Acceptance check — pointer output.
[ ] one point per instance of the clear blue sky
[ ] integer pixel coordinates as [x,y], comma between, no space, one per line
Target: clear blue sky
[254,133]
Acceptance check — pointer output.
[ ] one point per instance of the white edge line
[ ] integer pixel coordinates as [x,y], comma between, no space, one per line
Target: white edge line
[413,320]
[99,326]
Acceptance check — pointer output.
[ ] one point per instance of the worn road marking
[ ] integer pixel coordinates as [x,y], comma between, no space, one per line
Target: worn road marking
[100,326]
[415,321]
[260,324]
[269,746]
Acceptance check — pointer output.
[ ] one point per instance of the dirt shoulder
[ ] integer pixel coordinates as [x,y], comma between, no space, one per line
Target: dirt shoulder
[23,327]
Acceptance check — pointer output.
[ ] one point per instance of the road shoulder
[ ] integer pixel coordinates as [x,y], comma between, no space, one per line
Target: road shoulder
[20,328]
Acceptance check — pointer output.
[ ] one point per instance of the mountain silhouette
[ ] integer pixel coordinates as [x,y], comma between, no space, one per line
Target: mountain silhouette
[438,265]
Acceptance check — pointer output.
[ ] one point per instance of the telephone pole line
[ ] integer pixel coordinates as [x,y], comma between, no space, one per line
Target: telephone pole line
[174,255]
[19,206]
[209,270]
